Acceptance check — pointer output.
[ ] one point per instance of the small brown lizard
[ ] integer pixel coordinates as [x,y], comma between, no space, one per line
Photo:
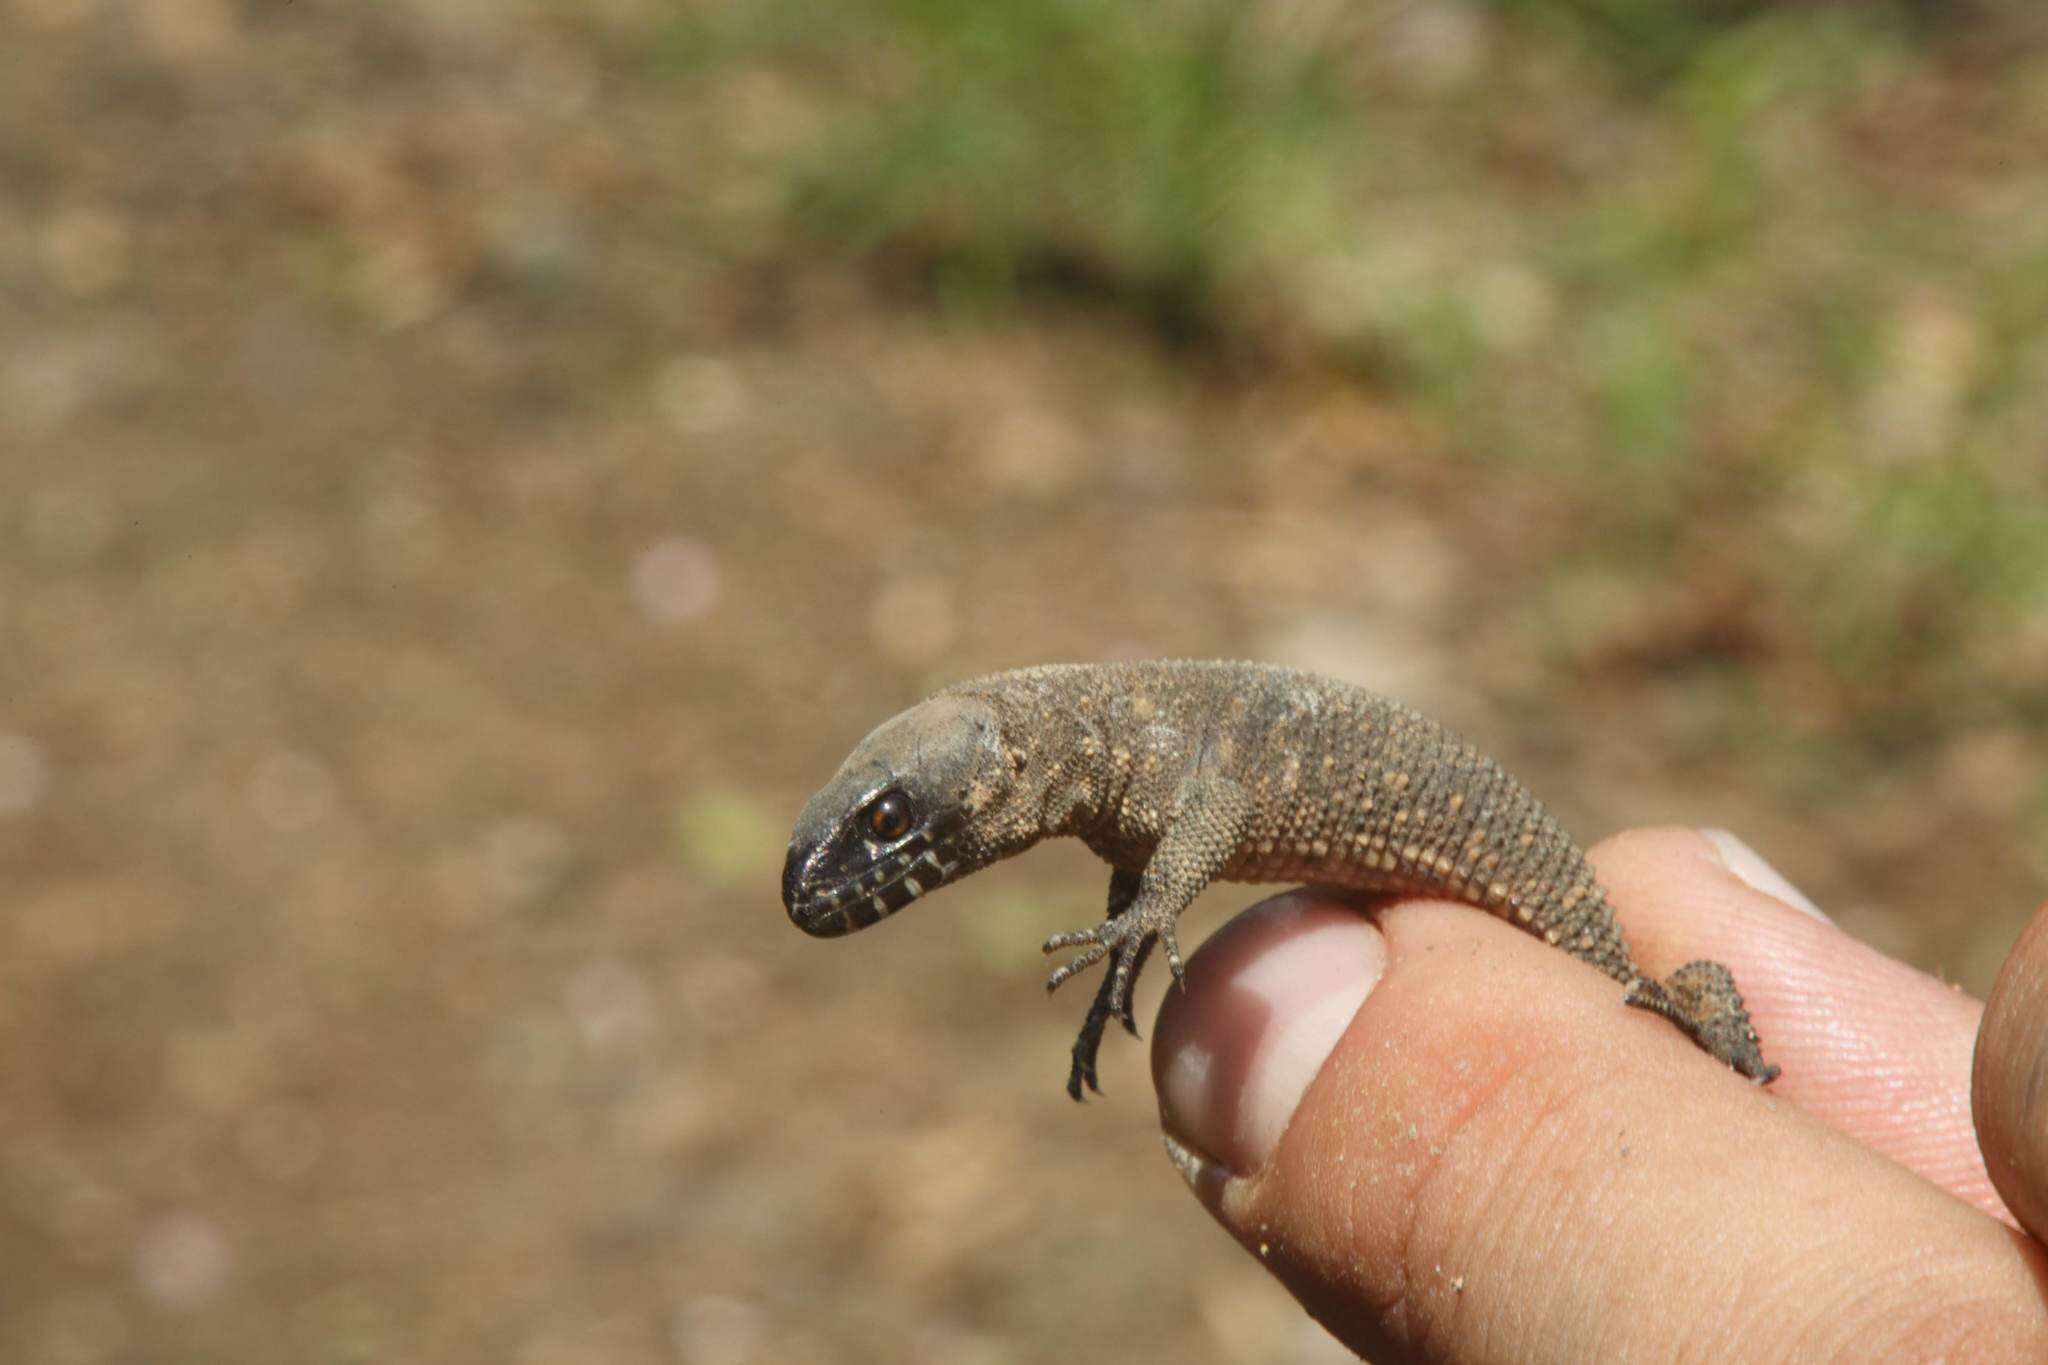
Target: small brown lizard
[1180,773]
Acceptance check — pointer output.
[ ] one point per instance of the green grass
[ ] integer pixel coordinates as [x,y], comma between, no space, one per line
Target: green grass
[1721,249]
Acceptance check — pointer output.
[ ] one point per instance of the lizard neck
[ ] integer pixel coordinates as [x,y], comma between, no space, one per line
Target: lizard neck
[1059,778]
[1078,766]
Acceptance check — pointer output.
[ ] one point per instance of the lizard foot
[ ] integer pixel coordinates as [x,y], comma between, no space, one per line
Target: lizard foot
[1131,939]
[1701,999]
[1127,936]
[1089,1042]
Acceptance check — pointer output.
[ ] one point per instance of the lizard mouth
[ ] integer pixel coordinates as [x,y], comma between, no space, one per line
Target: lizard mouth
[828,895]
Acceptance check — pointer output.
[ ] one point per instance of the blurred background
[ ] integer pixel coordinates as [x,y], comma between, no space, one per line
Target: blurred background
[468,470]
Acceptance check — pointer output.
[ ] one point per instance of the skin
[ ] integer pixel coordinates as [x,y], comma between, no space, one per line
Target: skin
[1442,1170]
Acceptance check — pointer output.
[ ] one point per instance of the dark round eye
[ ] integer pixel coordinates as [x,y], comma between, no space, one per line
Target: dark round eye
[889,816]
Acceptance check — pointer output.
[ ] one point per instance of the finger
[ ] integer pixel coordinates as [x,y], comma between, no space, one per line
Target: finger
[2009,1088]
[1872,1047]
[1496,1161]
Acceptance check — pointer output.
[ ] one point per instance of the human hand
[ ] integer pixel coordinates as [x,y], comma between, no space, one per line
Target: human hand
[1451,1141]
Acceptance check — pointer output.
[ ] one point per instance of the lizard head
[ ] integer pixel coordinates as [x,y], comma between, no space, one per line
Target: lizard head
[910,810]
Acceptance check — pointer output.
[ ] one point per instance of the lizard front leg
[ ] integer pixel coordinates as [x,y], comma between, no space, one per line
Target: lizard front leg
[1207,824]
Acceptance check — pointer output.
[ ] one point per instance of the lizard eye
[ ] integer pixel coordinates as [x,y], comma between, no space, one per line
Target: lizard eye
[889,816]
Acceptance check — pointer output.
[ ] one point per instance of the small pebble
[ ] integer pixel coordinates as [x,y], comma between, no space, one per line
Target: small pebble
[181,1260]
[676,580]
[610,1004]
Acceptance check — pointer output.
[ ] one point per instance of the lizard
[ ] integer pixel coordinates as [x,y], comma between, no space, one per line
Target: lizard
[1178,773]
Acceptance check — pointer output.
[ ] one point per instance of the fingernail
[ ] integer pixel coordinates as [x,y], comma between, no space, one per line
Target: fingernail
[1745,863]
[1192,1165]
[1268,999]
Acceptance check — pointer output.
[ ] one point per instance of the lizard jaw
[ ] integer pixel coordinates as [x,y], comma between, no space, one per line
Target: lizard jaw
[825,906]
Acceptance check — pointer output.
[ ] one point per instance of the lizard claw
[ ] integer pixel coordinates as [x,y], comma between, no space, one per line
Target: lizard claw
[1173,962]
[1123,1014]
[1082,1073]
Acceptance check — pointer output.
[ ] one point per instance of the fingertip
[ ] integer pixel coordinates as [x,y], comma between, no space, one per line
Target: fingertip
[1706,891]
[1263,1002]
[1749,866]
[1873,1047]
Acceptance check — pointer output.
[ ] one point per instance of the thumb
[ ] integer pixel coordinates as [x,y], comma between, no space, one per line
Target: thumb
[1450,1141]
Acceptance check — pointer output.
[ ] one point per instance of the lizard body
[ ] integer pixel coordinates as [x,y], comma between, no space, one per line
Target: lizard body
[1181,773]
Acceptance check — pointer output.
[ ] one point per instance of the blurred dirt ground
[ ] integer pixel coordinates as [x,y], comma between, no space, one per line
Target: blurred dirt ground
[431,577]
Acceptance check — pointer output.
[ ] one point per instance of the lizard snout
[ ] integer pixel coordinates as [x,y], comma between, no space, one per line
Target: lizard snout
[792,879]
[813,909]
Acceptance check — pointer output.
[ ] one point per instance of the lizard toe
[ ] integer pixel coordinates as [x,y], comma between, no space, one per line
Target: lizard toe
[1124,1015]
[1173,958]
[1080,1074]
[1082,961]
